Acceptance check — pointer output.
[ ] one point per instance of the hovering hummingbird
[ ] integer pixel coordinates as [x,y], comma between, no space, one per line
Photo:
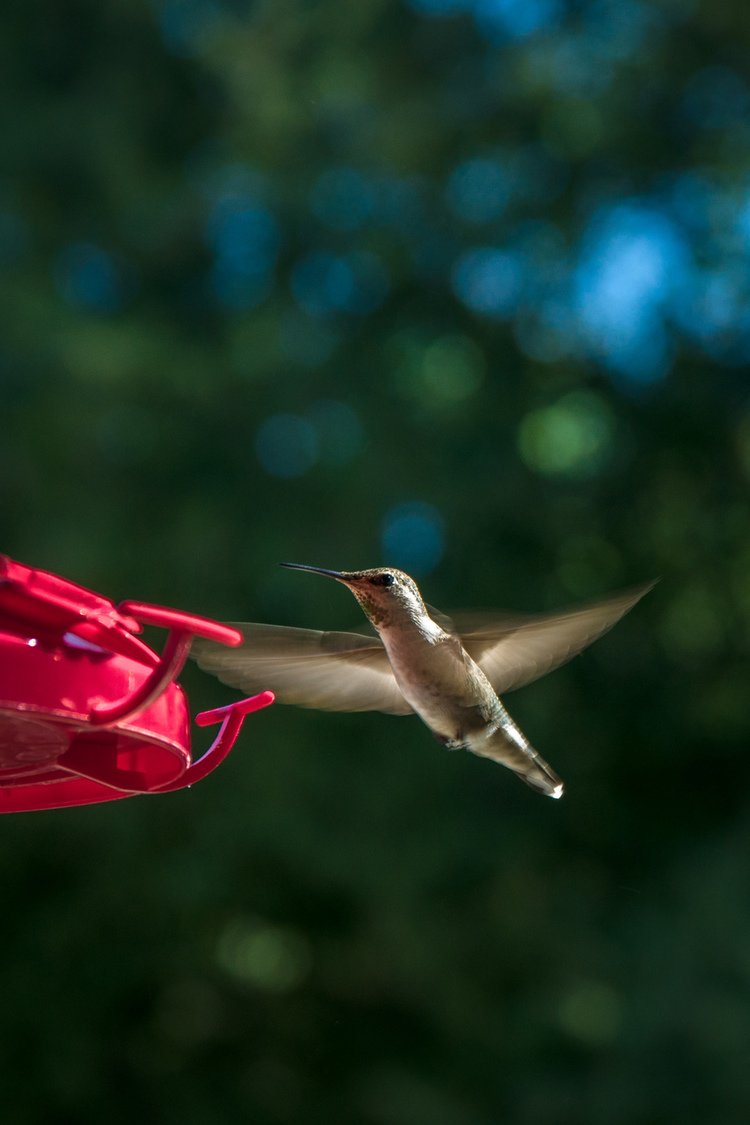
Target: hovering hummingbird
[420,661]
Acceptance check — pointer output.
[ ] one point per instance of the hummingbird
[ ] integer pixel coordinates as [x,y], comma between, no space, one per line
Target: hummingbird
[420,661]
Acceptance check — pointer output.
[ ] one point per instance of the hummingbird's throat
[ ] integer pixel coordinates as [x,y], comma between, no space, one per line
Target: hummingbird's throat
[375,612]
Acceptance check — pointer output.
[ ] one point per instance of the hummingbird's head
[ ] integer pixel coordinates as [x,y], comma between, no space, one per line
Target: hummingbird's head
[387,596]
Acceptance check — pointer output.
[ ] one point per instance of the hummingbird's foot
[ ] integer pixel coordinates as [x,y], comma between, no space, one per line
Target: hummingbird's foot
[450,743]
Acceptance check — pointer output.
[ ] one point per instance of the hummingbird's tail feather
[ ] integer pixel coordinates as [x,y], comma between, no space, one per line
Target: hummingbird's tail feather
[542,779]
[507,745]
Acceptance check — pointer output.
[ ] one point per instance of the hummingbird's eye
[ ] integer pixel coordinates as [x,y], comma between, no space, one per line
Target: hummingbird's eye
[382,580]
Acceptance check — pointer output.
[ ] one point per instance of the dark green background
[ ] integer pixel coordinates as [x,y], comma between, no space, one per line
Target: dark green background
[345,923]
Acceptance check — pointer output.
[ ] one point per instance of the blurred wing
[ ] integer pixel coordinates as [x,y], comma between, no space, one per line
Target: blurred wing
[514,651]
[328,671]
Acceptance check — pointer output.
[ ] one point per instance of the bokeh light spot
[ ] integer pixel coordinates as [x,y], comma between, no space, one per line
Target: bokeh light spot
[572,438]
[90,278]
[715,98]
[515,19]
[187,26]
[246,239]
[413,537]
[591,1012]
[324,283]
[439,8]
[342,198]
[286,446]
[478,191]
[244,234]
[452,368]
[257,953]
[633,262]
[616,31]
[488,281]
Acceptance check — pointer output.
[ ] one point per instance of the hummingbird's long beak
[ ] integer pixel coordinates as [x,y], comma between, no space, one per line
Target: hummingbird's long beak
[320,570]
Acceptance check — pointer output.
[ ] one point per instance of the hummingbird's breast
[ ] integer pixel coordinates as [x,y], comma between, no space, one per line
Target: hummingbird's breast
[435,674]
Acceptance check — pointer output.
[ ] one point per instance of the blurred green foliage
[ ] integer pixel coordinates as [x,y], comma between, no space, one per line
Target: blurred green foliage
[277,280]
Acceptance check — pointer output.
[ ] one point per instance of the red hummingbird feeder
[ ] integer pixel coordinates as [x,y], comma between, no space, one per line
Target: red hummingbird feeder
[88,712]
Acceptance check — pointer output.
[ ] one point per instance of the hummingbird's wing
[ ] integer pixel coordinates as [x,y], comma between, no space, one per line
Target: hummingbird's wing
[328,671]
[513,651]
